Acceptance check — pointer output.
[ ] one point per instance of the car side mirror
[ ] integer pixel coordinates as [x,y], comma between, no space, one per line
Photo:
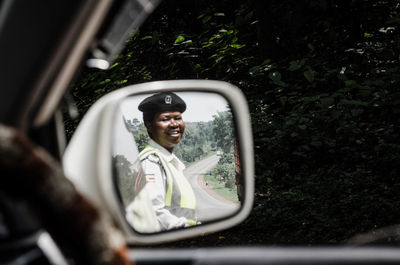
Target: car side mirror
[157,193]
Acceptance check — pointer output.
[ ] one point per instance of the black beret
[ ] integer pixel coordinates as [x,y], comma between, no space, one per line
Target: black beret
[165,101]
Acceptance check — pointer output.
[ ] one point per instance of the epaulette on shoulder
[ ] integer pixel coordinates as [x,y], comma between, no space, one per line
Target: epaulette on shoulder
[153,158]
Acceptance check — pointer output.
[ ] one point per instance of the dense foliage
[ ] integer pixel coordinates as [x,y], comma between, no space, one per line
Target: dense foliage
[322,82]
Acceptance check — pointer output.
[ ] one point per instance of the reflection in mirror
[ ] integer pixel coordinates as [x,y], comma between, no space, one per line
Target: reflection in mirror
[175,160]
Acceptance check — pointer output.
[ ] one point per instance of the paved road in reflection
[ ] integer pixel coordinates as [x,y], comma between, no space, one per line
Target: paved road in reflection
[210,206]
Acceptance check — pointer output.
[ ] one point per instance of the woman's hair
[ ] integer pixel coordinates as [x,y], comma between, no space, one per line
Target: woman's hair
[148,116]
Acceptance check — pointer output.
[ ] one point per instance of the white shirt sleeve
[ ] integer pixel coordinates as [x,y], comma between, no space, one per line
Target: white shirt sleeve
[156,185]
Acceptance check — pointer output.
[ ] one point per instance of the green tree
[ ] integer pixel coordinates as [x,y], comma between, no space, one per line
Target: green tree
[223,131]
[225,172]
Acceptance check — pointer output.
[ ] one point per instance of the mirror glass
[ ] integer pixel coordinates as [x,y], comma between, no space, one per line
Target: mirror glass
[176,162]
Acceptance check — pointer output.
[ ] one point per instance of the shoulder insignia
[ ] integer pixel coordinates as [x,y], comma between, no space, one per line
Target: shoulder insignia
[150,178]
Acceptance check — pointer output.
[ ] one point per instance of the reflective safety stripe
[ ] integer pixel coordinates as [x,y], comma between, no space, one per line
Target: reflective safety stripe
[187,196]
[179,198]
[170,182]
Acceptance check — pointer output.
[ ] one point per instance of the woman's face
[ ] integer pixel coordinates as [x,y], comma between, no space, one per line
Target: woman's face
[166,129]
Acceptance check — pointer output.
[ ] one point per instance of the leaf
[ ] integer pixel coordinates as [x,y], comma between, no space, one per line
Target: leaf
[283,100]
[146,37]
[114,65]
[309,75]
[267,61]
[295,65]
[237,46]
[351,84]
[280,83]
[327,102]
[122,82]
[248,15]
[356,112]
[368,35]
[208,45]
[255,70]
[155,38]
[215,36]
[179,39]
[105,81]
[275,76]
[365,91]
[206,19]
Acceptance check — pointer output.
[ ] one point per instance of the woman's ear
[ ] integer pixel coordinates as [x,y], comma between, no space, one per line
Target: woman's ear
[148,126]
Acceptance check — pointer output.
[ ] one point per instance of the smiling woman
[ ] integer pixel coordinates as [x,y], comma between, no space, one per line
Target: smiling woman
[171,195]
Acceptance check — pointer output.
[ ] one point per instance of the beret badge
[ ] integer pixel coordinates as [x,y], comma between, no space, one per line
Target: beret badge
[168,99]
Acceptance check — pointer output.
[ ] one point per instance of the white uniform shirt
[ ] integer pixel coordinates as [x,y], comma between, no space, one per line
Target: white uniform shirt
[156,185]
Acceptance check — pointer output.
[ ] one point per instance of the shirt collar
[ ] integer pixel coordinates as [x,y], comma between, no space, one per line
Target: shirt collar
[170,157]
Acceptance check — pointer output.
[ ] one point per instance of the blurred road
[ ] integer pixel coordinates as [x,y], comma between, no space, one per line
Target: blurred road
[210,205]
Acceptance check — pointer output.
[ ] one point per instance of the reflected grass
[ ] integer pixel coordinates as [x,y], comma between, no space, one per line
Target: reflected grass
[219,187]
